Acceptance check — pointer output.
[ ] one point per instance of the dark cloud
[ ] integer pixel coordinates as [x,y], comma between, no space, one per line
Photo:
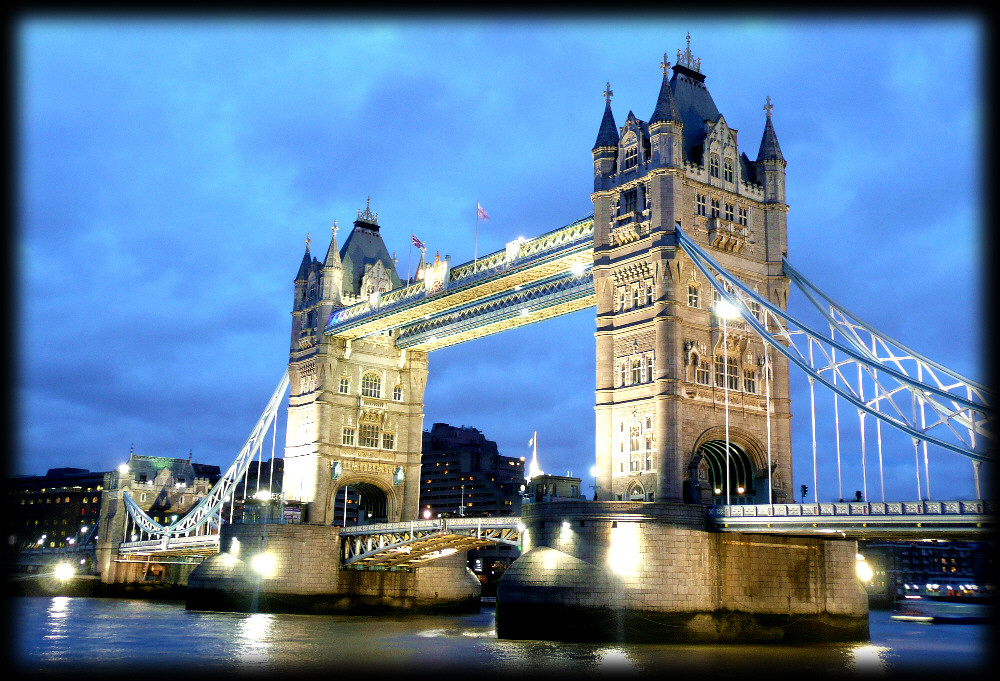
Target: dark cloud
[169,172]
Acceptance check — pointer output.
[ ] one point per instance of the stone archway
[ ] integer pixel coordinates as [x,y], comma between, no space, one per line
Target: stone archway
[747,477]
[361,500]
[635,491]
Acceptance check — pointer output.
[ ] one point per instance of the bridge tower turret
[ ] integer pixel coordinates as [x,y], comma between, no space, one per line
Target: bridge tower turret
[355,410]
[662,363]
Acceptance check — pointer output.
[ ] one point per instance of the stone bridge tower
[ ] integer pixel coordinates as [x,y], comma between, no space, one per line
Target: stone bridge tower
[662,366]
[355,410]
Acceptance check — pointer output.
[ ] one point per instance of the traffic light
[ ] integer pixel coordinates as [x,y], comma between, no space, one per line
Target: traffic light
[805,493]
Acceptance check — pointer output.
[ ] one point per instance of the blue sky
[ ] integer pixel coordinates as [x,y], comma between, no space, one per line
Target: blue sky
[170,169]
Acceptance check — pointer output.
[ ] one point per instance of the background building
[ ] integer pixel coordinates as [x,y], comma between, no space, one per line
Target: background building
[57,510]
[547,487]
[463,474]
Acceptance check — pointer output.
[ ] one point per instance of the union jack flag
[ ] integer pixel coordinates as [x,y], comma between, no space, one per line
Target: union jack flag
[416,242]
[482,213]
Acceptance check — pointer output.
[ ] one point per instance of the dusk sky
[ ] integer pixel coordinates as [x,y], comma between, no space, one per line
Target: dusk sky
[169,171]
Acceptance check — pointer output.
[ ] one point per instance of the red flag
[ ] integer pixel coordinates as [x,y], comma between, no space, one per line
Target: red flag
[482,213]
[416,242]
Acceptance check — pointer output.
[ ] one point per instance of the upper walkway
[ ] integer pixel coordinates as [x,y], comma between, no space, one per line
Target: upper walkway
[529,281]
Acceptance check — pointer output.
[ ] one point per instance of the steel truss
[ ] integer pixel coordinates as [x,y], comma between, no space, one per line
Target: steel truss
[207,513]
[961,417]
[409,544]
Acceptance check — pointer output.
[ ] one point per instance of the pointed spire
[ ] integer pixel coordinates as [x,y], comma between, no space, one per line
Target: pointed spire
[332,254]
[769,148]
[607,135]
[303,273]
[666,107]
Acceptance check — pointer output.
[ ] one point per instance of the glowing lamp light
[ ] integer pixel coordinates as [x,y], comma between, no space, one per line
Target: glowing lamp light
[263,564]
[726,310]
[578,269]
[565,524]
[864,570]
[123,469]
[741,489]
[718,490]
[623,558]
[427,513]
[261,495]
[593,471]
[64,571]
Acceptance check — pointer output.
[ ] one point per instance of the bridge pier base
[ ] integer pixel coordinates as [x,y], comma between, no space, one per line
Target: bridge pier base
[651,572]
[296,568]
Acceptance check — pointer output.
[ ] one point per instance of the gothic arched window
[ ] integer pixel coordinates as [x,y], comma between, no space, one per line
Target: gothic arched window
[371,385]
[728,169]
[713,166]
[631,159]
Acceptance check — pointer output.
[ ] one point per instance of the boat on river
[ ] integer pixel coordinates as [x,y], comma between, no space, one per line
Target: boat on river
[939,611]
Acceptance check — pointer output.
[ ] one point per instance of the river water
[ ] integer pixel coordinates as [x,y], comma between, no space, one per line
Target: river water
[118,635]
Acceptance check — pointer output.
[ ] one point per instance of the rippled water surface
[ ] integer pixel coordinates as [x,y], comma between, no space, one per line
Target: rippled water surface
[62,633]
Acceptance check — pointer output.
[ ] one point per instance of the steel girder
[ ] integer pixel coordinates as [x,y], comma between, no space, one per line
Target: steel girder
[409,544]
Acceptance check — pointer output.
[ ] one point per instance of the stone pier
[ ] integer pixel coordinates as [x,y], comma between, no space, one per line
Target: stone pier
[301,572]
[651,572]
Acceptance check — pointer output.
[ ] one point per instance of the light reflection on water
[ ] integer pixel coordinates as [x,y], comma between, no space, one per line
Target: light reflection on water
[60,632]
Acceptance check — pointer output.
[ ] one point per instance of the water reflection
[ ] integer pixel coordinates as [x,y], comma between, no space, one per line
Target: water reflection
[57,624]
[614,660]
[252,638]
[869,658]
[96,633]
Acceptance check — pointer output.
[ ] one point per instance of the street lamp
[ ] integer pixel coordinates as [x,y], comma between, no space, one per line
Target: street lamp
[726,310]
[593,473]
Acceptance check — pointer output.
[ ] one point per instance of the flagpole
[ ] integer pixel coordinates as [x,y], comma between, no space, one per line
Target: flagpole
[409,258]
[475,252]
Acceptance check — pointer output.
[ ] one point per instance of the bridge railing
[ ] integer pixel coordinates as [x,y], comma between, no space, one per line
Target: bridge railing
[854,508]
[443,524]
[175,543]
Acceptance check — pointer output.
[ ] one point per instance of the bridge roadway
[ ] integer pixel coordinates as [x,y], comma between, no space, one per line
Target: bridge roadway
[408,544]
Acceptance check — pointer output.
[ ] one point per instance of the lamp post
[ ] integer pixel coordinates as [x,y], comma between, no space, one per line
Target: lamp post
[593,473]
[726,310]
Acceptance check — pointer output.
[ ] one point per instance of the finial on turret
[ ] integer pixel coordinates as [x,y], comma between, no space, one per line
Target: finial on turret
[335,228]
[368,216]
[768,107]
[687,59]
[608,92]
[665,65]
[308,241]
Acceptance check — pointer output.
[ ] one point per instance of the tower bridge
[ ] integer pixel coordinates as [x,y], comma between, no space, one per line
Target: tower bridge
[685,262]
